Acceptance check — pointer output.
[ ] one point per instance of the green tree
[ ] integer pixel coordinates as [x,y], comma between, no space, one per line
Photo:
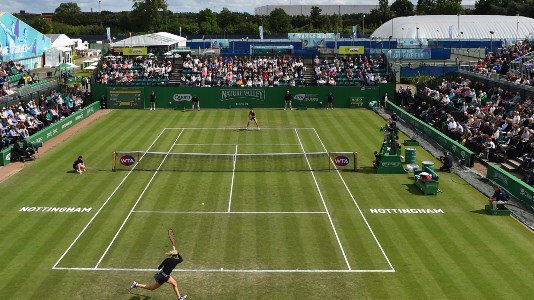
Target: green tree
[207,22]
[41,25]
[317,20]
[448,7]
[147,15]
[425,7]
[68,13]
[402,8]
[278,21]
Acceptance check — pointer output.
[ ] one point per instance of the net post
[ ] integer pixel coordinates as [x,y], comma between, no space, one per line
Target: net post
[113,157]
[329,157]
[355,154]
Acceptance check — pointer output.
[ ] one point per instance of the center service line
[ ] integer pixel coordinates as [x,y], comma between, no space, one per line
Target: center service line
[136,202]
[232,184]
[324,204]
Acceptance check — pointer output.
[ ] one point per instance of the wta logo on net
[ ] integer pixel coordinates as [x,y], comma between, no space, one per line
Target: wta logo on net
[341,161]
[127,160]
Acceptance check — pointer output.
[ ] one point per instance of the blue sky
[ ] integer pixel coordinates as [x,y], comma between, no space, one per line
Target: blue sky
[39,6]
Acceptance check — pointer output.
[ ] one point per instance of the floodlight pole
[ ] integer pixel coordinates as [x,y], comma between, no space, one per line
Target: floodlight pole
[491,40]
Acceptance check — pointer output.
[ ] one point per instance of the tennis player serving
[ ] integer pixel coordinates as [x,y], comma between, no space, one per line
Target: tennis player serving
[252,117]
[164,274]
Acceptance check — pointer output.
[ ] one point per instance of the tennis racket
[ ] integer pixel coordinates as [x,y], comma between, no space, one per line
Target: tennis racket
[170,232]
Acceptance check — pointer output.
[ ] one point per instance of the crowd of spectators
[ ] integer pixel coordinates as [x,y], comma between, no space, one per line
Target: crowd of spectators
[242,71]
[8,69]
[117,69]
[21,120]
[494,123]
[499,62]
[362,69]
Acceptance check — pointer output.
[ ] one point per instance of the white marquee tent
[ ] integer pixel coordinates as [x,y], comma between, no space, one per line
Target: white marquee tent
[158,39]
[456,27]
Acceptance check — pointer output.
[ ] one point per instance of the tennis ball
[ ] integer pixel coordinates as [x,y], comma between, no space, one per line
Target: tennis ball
[202,203]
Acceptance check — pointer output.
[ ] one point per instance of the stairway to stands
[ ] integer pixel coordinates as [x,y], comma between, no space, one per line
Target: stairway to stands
[176,73]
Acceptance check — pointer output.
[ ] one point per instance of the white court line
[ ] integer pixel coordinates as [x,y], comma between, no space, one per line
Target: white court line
[232,184]
[238,128]
[229,212]
[237,144]
[228,270]
[136,202]
[106,202]
[324,204]
[357,206]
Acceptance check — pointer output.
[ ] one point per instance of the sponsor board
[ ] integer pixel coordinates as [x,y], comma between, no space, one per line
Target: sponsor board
[351,49]
[135,51]
[248,94]
[390,164]
[127,160]
[306,97]
[341,161]
[182,97]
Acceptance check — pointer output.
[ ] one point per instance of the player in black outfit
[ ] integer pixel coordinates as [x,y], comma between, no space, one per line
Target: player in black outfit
[164,274]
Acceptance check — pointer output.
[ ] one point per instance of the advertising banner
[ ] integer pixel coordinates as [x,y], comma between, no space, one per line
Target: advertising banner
[135,51]
[53,130]
[517,188]
[220,43]
[424,53]
[18,40]
[239,97]
[351,49]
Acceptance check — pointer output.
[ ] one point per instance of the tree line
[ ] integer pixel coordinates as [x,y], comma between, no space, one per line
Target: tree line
[149,16]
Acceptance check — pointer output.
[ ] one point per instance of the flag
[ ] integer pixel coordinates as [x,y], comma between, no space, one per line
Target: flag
[260,28]
[108,34]
[354,31]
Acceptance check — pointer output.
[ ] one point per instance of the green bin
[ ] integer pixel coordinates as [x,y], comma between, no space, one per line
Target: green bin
[429,165]
[410,155]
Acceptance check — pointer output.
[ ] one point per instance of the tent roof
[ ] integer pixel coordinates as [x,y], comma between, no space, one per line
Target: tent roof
[452,26]
[153,39]
[60,40]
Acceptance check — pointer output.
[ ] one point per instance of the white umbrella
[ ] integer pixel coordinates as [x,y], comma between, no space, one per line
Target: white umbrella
[90,68]
[94,64]
[73,65]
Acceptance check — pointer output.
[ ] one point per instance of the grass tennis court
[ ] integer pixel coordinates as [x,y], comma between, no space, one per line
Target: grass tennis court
[247,228]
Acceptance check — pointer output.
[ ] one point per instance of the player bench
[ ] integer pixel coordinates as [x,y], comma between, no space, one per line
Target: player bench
[428,186]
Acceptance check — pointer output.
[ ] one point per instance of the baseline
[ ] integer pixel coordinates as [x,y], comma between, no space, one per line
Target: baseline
[222,270]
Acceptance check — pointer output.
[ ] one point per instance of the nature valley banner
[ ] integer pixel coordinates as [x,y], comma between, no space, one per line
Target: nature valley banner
[18,40]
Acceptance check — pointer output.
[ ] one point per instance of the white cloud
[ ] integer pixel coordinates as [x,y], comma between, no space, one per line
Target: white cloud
[32,6]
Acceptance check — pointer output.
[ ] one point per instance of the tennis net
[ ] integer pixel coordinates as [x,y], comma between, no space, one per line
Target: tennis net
[239,162]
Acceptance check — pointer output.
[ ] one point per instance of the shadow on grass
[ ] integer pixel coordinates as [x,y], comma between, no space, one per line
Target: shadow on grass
[367,170]
[136,296]
[413,189]
[480,212]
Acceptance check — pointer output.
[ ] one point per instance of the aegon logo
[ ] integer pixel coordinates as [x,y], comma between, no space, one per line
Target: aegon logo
[390,164]
[182,97]
[306,97]
[341,161]
[127,160]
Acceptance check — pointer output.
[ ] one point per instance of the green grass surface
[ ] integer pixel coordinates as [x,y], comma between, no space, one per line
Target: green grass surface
[278,235]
